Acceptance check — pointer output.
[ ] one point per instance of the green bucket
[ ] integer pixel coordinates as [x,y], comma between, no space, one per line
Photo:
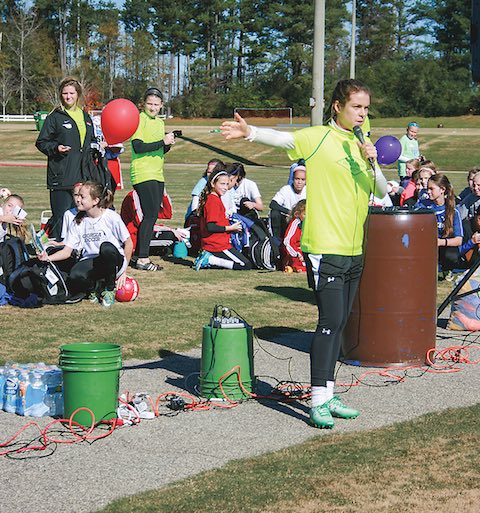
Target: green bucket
[222,350]
[91,375]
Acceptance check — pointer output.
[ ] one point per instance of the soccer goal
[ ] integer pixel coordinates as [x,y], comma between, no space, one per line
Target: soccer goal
[276,113]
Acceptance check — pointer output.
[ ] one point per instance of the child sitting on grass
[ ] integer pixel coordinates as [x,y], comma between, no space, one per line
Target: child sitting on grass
[284,200]
[163,236]
[292,255]
[104,243]
[217,249]
[11,221]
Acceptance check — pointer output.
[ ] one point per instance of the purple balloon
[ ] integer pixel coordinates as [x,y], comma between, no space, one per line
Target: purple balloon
[388,149]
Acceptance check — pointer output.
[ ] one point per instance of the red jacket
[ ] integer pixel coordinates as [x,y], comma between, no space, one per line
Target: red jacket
[132,215]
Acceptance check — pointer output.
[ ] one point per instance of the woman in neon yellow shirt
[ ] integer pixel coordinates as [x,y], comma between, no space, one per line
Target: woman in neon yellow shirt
[341,175]
[149,144]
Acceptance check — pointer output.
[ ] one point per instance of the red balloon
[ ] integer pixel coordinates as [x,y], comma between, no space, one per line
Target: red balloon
[129,291]
[119,120]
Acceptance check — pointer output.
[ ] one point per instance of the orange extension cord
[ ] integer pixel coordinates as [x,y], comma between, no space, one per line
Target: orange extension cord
[438,361]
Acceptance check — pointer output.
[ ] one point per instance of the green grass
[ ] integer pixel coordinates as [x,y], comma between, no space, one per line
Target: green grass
[429,464]
[173,304]
[447,122]
[453,148]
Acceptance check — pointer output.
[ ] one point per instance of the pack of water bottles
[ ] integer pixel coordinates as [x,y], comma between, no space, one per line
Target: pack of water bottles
[31,389]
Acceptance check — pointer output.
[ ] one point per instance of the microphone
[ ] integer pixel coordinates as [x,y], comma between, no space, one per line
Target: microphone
[357,132]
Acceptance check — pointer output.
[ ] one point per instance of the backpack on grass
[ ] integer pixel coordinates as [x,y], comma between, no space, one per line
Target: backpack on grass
[13,254]
[43,279]
[264,251]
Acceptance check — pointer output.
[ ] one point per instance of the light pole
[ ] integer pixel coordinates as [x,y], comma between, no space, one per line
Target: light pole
[352,45]
[317,101]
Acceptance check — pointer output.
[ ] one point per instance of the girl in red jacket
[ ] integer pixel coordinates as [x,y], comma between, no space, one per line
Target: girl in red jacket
[216,228]
[292,256]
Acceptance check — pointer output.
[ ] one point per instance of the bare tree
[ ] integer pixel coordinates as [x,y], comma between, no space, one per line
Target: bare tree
[24,24]
[50,90]
[8,86]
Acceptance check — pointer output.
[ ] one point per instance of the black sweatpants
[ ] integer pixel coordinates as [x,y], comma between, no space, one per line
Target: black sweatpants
[150,194]
[334,280]
[85,274]
[60,202]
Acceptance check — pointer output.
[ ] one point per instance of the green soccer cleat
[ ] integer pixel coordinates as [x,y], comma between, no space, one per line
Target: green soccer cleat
[201,261]
[108,298]
[320,417]
[339,409]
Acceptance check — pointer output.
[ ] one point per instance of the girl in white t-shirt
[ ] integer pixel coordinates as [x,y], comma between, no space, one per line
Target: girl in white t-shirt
[102,239]
[69,215]
[245,192]
[284,201]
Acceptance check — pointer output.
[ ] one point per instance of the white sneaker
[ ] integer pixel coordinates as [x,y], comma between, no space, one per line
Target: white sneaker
[143,403]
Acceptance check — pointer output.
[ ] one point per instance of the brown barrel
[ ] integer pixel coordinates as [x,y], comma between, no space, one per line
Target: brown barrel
[393,320]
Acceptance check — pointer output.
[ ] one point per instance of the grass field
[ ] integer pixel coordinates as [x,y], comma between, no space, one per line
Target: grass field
[427,462]
[452,148]
[421,466]
[173,304]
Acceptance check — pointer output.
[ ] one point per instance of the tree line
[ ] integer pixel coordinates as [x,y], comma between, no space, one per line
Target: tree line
[210,56]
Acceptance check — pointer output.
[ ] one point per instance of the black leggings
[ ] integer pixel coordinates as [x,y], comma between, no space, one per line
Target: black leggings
[86,273]
[150,194]
[60,202]
[334,280]
[240,261]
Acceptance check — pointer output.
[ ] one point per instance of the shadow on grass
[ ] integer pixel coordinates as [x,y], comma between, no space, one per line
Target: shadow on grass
[287,337]
[219,151]
[294,293]
[178,261]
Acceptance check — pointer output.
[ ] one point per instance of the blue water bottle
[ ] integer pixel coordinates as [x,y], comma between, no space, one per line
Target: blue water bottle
[10,391]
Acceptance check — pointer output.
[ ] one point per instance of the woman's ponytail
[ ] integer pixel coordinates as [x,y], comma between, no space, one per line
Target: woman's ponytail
[443,182]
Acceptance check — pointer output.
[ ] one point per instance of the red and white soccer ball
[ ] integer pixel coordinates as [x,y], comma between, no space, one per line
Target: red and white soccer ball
[129,291]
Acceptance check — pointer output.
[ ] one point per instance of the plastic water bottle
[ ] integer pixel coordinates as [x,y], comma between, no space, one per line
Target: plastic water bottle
[10,391]
[2,386]
[22,376]
[53,395]
[35,396]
